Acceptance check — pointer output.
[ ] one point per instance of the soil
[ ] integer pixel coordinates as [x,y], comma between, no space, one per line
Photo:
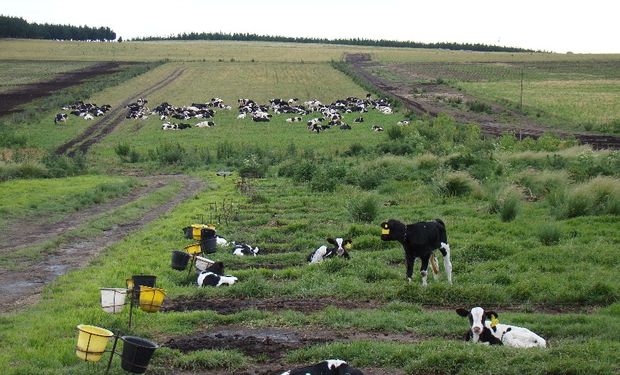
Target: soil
[226,306]
[10,101]
[19,288]
[432,99]
[272,344]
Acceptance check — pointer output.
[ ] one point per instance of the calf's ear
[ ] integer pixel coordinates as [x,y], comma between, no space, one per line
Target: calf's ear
[331,241]
[491,314]
[462,312]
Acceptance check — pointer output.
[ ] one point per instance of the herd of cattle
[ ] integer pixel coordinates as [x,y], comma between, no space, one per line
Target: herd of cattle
[323,116]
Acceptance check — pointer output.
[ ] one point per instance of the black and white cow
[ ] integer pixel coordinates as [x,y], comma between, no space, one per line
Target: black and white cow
[485,328]
[206,278]
[329,367]
[419,241]
[242,249]
[294,119]
[376,128]
[205,124]
[340,249]
[359,119]
[60,117]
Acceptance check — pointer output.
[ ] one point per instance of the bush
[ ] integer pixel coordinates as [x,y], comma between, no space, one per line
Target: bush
[479,107]
[510,207]
[395,132]
[540,183]
[363,208]
[505,200]
[355,149]
[457,184]
[549,234]
[126,153]
[253,167]
[599,196]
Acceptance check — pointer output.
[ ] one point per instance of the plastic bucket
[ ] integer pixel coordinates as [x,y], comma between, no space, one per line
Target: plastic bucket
[151,299]
[137,353]
[193,249]
[92,341]
[208,245]
[137,280]
[200,231]
[202,263]
[113,299]
[179,260]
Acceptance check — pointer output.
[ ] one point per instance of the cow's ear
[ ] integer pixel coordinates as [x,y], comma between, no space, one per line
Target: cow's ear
[331,241]
[492,314]
[462,312]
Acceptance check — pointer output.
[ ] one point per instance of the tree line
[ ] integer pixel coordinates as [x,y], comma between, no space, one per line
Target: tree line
[16,27]
[353,42]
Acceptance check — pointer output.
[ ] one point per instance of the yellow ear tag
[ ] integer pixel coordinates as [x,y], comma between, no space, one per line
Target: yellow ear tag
[494,322]
[385,231]
[348,246]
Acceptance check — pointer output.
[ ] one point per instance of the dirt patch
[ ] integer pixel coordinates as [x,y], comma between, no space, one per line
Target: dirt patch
[10,101]
[113,118]
[231,306]
[432,99]
[19,288]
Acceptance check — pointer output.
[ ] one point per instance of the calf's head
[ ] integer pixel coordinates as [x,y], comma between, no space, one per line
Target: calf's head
[392,230]
[341,245]
[476,317]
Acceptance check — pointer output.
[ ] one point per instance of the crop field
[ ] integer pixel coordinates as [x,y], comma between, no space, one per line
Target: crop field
[533,225]
[576,95]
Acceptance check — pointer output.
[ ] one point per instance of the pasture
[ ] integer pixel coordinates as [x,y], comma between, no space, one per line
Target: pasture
[533,226]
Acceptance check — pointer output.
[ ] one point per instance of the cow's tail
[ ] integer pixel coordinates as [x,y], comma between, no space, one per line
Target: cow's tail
[434,265]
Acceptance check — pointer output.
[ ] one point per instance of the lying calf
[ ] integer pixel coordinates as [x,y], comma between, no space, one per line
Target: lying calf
[214,276]
[490,332]
[340,249]
[329,367]
[242,249]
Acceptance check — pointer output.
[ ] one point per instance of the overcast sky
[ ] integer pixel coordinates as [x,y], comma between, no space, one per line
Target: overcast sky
[558,26]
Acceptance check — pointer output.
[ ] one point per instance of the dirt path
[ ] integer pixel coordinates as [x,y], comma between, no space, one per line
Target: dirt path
[111,120]
[432,99]
[18,288]
[9,101]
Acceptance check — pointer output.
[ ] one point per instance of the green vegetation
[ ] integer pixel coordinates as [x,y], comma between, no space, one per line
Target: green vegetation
[533,224]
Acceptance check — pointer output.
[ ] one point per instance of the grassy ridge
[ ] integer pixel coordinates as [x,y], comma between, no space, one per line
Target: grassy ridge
[13,75]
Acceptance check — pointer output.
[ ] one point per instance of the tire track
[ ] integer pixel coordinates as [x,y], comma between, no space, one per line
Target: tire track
[106,125]
[21,288]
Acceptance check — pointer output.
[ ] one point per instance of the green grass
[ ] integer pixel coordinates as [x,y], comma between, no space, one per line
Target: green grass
[52,198]
[14,75]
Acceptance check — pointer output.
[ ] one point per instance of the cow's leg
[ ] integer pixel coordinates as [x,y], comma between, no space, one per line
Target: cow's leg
[409,259]
[445,251]
[424,269]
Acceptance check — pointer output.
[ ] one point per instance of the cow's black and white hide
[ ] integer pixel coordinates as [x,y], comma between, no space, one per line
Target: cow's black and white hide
[486,329]
[403,122]
[359,119]
[205,124]
[242,249]
[329,367]
[293,119]
[340,247]
[419,240]
[214,276]
[376,128]
[60,117]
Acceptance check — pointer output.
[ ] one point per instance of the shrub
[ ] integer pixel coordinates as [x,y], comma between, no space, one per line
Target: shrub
[168,153]
[355,149]
[510,207]
[363,208]
[540,183]
[395,132]
[252,167]
[458,184]
[549,234]
[427,161]
[478,107]
[599,196]
[126,153]
[505,200]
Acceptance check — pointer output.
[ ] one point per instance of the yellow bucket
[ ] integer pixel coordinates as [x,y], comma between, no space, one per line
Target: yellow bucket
[92,342]
[197,230]
[151,299]
[193,249]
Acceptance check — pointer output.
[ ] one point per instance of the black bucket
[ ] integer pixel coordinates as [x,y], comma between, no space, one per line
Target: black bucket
[179,260]
[208,245]
[137,353]
[146,280]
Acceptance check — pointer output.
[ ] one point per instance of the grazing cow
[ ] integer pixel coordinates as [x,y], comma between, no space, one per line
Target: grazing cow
[293,119]
[345,127]
[60,117]
[205,124]
[376,128]
[403,122]
[208,278]
[419,241]
[241,249]
[340,249]
[359,119]
[485,328]
[329,367]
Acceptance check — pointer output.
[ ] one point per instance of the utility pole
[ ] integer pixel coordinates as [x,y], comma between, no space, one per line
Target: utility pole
[521,101]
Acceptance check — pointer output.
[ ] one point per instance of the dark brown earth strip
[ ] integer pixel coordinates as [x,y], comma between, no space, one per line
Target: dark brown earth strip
[113,118]
[521,126]
[18,288]
[9,101]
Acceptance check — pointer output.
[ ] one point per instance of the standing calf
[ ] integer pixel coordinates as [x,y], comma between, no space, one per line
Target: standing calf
[419,241]
[485,328]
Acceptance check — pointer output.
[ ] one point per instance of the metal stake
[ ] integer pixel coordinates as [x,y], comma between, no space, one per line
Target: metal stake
[112,354]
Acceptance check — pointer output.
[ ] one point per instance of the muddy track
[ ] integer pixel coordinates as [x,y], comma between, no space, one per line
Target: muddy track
[18,288]
[491,125]
[9,101]
[111,120]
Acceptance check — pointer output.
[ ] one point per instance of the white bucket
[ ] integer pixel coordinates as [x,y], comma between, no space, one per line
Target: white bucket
[202,263]
[113,299]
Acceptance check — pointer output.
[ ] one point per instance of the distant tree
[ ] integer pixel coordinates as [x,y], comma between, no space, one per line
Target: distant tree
[16,27]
